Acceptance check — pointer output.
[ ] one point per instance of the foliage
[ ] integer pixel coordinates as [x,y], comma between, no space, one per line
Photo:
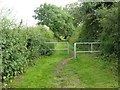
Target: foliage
[91,27]
[73,9]
[100,23]
[75,34]
[109,36]
[20,46]
[6,23]
[56,19]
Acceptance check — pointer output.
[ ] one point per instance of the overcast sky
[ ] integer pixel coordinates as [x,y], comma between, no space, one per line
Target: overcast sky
[23,9]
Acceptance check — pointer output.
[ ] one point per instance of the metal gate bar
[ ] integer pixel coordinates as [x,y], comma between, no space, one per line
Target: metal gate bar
[91,50]
[59,43]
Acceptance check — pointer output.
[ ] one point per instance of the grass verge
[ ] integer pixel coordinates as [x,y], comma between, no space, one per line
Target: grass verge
[88,71]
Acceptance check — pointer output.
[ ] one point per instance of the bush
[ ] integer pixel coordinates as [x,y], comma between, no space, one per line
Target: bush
[20,47]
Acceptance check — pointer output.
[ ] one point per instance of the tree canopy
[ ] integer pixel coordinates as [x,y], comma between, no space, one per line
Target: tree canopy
[59,21]
[100,23]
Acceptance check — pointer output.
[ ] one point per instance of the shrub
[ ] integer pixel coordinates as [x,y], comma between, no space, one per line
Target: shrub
[20,47]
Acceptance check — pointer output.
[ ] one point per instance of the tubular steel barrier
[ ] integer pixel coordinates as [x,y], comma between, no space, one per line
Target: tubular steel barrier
[55,43]
[84,43]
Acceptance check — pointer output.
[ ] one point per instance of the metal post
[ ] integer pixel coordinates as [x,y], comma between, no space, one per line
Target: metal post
[91,47]
[74,50]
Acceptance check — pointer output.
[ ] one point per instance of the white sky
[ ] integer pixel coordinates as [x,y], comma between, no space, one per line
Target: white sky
[24,9]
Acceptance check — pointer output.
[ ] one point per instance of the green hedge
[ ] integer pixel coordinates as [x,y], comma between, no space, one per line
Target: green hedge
[20,47]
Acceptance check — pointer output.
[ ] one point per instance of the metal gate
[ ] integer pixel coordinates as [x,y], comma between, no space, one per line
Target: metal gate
[84,43]
[55,43]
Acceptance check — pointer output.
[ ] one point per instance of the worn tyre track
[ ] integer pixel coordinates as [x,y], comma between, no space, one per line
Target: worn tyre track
[63,81]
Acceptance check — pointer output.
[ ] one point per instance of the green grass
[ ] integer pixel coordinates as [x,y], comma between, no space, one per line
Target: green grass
[42,74]
[88,71]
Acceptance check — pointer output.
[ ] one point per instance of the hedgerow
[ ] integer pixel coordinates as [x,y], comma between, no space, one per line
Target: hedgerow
[100,24]
[20,47]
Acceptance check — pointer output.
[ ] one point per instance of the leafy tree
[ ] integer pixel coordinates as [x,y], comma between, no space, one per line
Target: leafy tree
[100,23]
[74,10]
[91,27]
[109,36]
[87,13]
[59,21]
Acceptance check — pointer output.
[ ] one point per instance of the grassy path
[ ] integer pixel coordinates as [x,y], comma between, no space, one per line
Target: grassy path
[59,71]
[43,74]
[88,71]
